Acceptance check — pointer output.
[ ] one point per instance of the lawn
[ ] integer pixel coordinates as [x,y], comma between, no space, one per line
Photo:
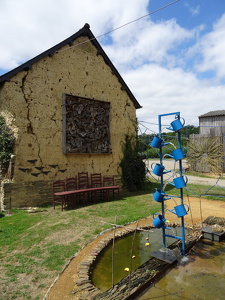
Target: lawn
[35,246]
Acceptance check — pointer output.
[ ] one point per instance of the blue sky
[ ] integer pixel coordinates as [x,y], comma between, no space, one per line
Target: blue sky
[172,60]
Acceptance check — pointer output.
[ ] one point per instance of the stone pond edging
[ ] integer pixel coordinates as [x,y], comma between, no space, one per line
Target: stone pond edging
[84,283]
[145,274]
[137,279]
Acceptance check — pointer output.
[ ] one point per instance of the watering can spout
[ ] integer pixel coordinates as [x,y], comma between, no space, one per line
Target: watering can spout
[172,211]
[180,210]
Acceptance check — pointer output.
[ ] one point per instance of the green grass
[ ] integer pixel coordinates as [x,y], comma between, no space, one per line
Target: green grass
[204,175]
[215,193]
[36,246]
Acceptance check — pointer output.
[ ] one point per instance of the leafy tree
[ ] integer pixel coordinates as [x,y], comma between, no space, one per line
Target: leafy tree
[6,143]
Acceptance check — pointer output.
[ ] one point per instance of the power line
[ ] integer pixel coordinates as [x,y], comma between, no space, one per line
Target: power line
[108,32]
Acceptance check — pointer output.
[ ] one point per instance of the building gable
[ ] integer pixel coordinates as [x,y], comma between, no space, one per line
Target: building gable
[85,31]
[51,146]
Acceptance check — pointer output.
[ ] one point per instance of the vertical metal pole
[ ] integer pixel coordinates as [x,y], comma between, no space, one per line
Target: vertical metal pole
[161,182]
[161,185]
[181,197]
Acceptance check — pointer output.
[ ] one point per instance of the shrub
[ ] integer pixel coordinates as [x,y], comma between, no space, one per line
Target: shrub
[6,143]
[133,168]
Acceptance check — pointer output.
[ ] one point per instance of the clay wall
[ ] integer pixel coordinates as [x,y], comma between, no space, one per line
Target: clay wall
[31,102]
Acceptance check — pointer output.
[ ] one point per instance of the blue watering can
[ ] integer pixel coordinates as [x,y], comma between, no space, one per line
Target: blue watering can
[177,154]
[179,182]
[156,142]
[180,210]
[176,125]
[158,221]
[158,169]
[159,195]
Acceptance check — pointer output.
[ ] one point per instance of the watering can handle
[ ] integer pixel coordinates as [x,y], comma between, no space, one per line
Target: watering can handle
[188,207]
[170,155]
[154,215]
[177,117]
[154,190]
[183,121]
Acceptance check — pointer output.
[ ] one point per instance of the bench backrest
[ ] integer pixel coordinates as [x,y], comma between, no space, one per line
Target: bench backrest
[108,181]
[82,180]
[96,180]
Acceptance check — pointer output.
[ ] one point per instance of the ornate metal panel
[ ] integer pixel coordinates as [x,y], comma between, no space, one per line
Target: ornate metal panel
[85,125]
[205,153]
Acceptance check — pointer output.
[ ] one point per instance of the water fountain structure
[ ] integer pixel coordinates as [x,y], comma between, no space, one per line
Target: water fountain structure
[179,182]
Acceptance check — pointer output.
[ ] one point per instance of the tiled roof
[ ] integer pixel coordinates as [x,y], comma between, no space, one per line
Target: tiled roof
[85,31]
[214,113]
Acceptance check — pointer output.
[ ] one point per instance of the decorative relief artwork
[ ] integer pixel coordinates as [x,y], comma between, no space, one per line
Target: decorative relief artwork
[205,154]
[85,125]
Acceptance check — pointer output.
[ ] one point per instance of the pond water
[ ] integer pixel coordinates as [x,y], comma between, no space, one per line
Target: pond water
[202,277]
[144,243]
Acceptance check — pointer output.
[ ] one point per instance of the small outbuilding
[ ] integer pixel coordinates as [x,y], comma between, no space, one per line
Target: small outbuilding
[69,110]
[212,123]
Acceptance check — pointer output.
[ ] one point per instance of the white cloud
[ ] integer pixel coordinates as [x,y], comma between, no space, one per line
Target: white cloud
[193,10]
[153,58]
[212,48]
[29,27]
[161,91]
[147,42]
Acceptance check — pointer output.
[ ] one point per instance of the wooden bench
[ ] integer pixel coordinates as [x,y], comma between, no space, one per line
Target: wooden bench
[63,195]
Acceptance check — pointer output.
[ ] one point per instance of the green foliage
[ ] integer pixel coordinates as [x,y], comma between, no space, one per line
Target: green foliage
[6,142]
[170,137]
[132,165]
[143,142]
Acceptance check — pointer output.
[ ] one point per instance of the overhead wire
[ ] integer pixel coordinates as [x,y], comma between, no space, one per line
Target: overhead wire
[119,27]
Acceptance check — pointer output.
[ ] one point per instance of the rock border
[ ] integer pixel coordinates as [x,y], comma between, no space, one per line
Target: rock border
[145,274]
[84,284]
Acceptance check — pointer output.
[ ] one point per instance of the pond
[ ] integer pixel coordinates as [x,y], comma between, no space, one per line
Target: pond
[202,277]
[144,243]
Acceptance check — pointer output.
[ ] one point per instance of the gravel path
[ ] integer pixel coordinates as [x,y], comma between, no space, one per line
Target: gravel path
[170,165]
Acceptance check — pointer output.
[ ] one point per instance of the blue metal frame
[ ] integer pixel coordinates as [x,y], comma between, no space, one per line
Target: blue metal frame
[164,235]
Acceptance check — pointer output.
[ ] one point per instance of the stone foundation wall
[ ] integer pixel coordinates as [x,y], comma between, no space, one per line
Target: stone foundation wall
[33,193]
[30,193]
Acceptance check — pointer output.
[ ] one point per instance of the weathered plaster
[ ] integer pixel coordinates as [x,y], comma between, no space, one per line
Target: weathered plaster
[32,105]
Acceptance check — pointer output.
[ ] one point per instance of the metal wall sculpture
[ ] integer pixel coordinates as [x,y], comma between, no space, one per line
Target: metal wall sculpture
[86,125]
[206,154]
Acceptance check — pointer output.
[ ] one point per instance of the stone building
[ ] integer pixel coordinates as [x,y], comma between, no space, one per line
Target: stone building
[69,110]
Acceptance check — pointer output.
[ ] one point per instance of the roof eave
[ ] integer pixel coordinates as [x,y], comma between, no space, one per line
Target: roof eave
[85,31]
[50,52]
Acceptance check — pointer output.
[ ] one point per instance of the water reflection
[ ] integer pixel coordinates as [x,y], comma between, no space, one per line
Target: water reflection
[203,277]
[145,242]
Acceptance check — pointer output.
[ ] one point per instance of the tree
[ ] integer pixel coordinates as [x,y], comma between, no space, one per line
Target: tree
[6,143]
[170,137]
